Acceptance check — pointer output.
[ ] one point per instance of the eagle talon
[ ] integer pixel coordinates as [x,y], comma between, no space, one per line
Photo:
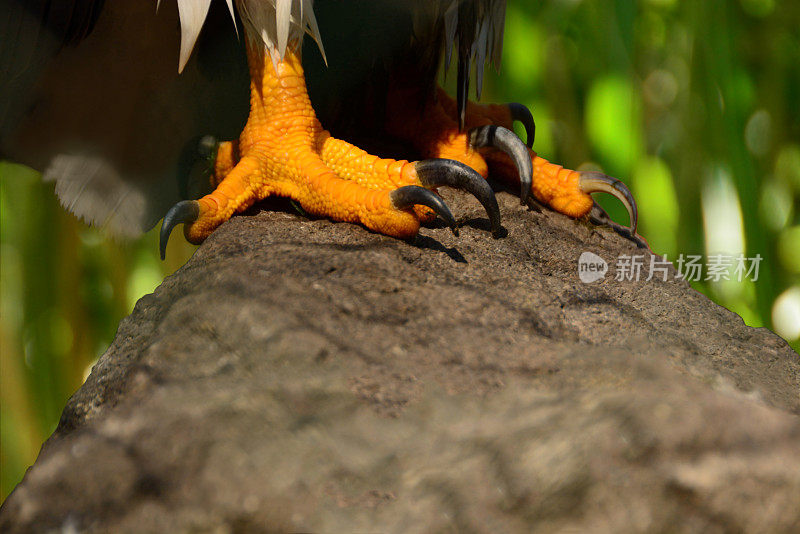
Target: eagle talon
[520,112]
[596,182]
[451,173]
[508,142]
[411,195]
[184,212]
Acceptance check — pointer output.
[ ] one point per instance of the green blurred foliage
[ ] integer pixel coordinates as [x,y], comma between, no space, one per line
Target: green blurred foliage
[693,104]
[64,289]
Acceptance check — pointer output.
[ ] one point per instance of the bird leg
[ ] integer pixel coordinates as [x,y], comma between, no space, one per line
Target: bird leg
[284,151]
[488,145]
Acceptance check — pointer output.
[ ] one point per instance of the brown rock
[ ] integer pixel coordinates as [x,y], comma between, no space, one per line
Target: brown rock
[303,375]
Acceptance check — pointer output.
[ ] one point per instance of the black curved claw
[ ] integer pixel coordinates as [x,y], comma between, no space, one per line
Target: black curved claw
[521,113]
[184,212]
[410,195]
[451,173]
[597,182]
[507,141]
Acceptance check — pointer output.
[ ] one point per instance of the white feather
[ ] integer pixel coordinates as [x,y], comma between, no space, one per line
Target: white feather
[283,18]
[277,23]
[310,25]
[233,16]
[192,14]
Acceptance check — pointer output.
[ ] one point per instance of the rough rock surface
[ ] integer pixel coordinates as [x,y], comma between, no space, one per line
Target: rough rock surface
[303,375]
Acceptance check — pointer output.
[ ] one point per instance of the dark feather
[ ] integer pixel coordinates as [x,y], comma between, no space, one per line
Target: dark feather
[92,96]
[108,117]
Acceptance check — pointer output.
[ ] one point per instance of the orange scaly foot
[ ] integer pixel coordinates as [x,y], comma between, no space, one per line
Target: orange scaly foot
[284,151]
[488,145]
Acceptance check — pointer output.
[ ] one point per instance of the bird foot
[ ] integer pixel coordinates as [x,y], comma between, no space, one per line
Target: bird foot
[284,151]
[488,145]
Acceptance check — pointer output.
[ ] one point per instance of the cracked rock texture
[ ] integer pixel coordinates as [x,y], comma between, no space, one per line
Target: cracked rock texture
[308,376]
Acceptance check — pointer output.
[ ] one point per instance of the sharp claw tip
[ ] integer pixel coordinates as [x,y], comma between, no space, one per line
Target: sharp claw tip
[184,212]
[162,244]
[410,195]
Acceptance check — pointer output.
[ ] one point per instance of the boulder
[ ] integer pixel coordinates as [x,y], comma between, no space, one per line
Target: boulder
[309,376]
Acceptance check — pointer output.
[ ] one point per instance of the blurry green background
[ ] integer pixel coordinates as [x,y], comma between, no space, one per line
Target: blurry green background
[696,105]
